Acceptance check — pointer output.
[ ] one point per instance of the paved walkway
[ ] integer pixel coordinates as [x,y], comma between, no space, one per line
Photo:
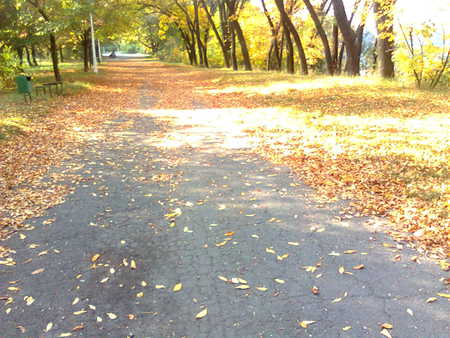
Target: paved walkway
[241,238]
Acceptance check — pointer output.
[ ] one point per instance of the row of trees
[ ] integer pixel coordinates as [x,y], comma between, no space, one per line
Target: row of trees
[33,28]
[321,35]
[328,36]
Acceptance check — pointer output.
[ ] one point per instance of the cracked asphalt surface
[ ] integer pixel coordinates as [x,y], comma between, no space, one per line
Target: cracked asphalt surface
[234,216]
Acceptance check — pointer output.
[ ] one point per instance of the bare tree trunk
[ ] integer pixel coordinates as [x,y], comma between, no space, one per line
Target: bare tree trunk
[85,43]
[287,21]
[54,55]
[234,61]
[20,54]
[290,50]
[323,37]
[27,51]
[384,12]
[34,56]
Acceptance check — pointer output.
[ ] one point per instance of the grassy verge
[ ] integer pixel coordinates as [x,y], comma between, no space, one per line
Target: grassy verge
[16,115]
[381,144]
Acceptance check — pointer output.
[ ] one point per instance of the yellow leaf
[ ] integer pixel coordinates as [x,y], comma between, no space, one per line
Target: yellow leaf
[133,264]
[387,326]
[144,283]
[280,258]
[95,258]
[92,307]
[111,315]
[66,334]
[48,327]
[35,272]
[261,288]
[225,279]
[294,243]
[29,300]
[358,267]
[242,281]
[186,229]
[341,270]
[255,236]
[350,251]
[125,262]
[99,319]
[104,280]
[444,295]
[77,313]
[310,268]
[385,333]
[235,280]
[242,287]
[221,243]
[270,250]
[346,328]
[230,233]
[304,324]
[279,281]
[177,287]
[75,301]
[22,236]
[202,313]
[336,300]
[159,286]
[410,312]
[140,295]
[431,299]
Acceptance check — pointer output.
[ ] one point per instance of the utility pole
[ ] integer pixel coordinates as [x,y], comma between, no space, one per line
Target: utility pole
[94,57]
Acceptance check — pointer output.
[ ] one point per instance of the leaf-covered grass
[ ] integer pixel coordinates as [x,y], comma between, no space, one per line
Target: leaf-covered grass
[381,144]
[16,115]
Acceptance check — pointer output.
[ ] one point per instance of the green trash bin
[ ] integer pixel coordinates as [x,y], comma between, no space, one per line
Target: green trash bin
[24,86]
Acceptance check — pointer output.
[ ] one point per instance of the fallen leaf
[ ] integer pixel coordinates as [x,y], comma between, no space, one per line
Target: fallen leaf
[386,333]
[279,281]
[225,279]
[35,272]
[48,327]
[140,295]
[144,283]
[358,267]
[444,295]
[133,264]
[387,326]
[78,327]
[231,233]
[29,300]
[77,313]
[270,250]
[92,307]
[242,281]
[159,286]
[410,312]
[310,268]
[111,315]
[350,252]
[341,270]
[186,229]
[131,316]
[282,257]
[66,334]
[315,290]
[304,324]
[104,280]
[431,300]
[294,243]
[99,319]
[346,328]
[261,288]
[336,300]
[177,287]
[22,236]
[95,258]
[242,287]
[202,313]
[75,301]
[255,236]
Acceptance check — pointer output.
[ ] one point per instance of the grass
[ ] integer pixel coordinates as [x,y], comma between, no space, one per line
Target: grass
[16,115]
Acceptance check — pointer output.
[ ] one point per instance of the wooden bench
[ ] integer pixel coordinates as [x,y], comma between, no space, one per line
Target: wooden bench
[57,85]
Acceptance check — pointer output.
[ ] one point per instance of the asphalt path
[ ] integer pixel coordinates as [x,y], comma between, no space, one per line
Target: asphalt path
[157,233]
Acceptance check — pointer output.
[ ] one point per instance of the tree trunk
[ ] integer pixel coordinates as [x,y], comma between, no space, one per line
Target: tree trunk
[20,54]
[244,49]
[85,43]
[349,36]
[323,37]
[287,21]
[274,50]
[234,61]
[290,50]
[54,56]
[28,57]
[226,56]
[34,56]
[385,39]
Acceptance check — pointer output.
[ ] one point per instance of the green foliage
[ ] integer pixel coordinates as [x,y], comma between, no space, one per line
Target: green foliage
[9,68]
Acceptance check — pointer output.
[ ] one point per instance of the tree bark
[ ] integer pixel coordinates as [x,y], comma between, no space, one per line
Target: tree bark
[34,56]
[323,37]
[290,50]
[54,56]
[85,43]
[385,40]
[274,50]
[349,36]
[287,21]
[20,54]
[28,57]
